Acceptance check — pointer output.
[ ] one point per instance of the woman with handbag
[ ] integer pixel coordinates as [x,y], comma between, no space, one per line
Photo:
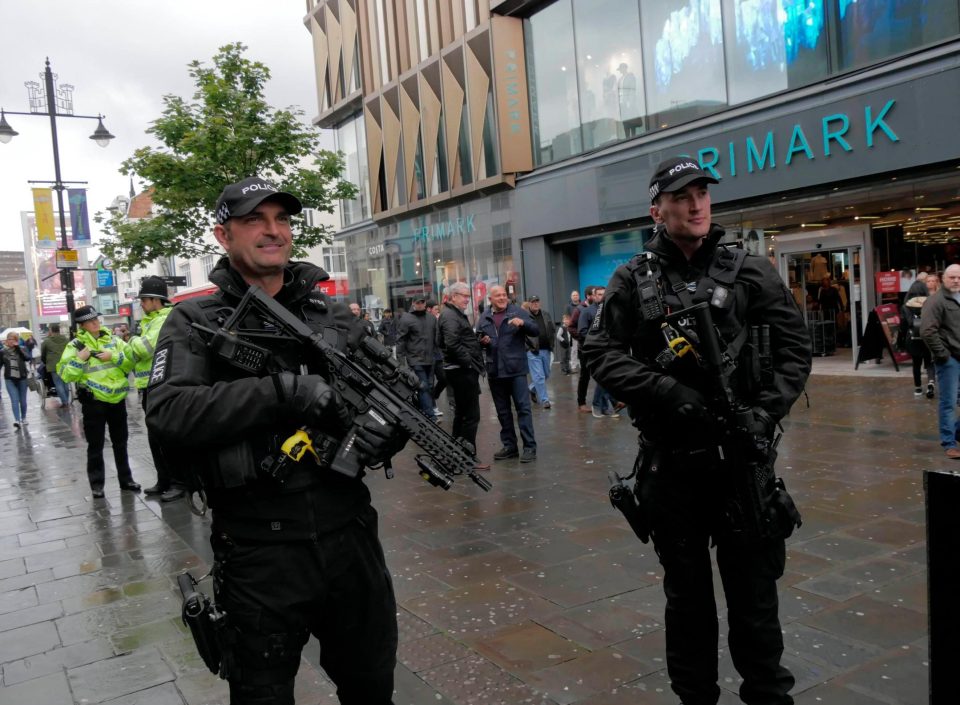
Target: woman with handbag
[15,372]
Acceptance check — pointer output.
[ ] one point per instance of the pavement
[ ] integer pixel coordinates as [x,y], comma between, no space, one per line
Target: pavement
[536,592]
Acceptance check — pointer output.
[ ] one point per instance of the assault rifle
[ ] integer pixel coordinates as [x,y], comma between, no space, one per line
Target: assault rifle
[759,507]
[372,385]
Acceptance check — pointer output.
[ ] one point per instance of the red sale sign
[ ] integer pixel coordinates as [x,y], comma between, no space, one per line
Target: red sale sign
[888,282]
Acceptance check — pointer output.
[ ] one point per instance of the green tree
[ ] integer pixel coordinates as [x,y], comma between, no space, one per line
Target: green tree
[226,133]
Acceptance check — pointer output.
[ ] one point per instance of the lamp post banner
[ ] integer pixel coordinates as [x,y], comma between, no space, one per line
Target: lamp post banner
[79,223]
[43,210]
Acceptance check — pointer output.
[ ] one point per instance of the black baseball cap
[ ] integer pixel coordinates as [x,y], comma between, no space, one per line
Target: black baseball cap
[533,298]
[676,173]
[242,197]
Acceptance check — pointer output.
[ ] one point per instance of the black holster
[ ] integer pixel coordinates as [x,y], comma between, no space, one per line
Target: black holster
[627,500]
[760,508]
[206,623]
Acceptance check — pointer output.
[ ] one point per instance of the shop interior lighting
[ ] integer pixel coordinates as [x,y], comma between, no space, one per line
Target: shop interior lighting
[929,208]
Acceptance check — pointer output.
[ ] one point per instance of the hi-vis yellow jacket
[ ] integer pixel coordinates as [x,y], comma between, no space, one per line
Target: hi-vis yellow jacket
[107,381]
[141,347]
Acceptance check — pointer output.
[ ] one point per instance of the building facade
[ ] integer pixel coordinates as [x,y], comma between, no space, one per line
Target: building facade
[511,142]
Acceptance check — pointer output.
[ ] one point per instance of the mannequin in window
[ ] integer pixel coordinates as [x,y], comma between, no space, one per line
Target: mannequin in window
[628,103]
[818,267]
[627,92]
[610,107]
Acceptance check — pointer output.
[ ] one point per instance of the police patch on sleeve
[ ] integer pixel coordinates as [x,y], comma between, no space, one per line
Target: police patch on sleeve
[161,365]
[598,319]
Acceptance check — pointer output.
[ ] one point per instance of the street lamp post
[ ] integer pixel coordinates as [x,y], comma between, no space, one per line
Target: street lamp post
[48,103]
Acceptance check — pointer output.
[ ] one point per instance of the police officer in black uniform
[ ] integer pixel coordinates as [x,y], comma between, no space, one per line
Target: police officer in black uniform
[684,484]
[292,559]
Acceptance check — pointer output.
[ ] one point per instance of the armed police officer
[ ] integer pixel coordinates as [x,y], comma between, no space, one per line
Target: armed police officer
[649,349]
[293,556]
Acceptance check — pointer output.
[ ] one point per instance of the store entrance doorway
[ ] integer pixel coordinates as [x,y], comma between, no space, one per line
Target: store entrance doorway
[825,272]
[820,284]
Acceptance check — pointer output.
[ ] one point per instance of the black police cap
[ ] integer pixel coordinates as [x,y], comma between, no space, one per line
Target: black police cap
[241,198]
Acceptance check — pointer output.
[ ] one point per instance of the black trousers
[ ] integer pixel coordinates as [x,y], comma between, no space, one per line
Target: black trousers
[465,385]
[925,359]
[98,416]
[440,375]
[335,587]
[685,515]
[166,477]
[583,382]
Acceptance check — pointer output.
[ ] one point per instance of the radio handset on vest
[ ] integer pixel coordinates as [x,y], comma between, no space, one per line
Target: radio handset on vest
[651,305]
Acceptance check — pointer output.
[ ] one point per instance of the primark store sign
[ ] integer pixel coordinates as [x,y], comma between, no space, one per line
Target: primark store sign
[906,124]
[444,230]
[835,132]
[810,142]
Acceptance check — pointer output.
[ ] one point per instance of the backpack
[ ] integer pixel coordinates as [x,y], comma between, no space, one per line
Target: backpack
[910,339]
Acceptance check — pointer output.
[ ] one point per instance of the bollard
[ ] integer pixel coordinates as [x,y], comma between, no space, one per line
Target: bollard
[942,490]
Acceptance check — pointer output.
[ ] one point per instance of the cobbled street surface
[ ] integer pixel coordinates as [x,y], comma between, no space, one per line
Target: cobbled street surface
[536,592]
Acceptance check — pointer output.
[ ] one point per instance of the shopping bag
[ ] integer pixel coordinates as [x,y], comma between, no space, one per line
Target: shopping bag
[33,382]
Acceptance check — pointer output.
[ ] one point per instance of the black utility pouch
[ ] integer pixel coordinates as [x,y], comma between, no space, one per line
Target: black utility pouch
[786,517]
[205,621]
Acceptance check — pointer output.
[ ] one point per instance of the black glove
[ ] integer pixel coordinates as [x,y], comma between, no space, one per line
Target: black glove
[377,443]
[684,405]
[312,401]
[763,424]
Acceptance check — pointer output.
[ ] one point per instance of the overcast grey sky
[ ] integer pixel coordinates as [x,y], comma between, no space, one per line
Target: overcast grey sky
[123,56]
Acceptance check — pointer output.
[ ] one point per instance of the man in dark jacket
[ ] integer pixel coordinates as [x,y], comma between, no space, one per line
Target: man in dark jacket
[940,330]
[363,320]
[584,381]
[692,461]
[502,329]
[51,350]
[416,339]
[539,352]
[603,405]
[388,331]
[462,362]
[439,373]
[274,543]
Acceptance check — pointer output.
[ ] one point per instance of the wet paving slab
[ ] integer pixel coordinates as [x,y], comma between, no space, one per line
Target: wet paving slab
[536,592]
